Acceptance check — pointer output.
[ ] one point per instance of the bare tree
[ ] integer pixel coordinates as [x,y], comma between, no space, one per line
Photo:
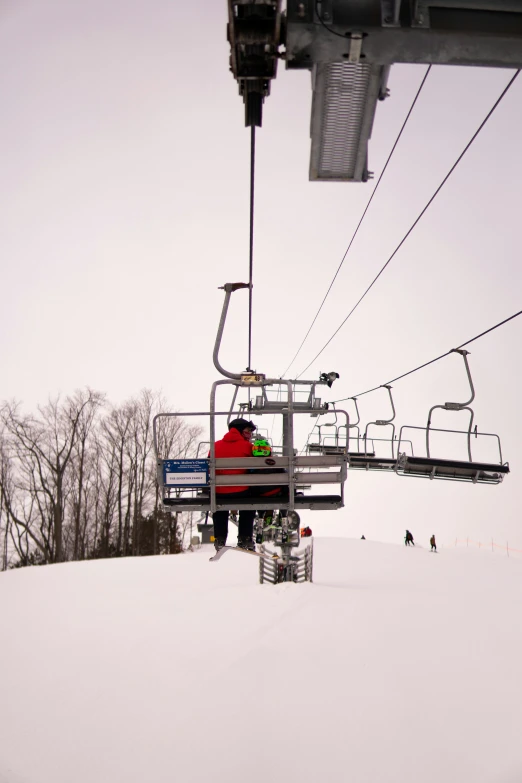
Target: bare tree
[43,447]
[79,480]
[18,510]
[115,428]
[176,440]
[140,458]
[105,494]
[81,473]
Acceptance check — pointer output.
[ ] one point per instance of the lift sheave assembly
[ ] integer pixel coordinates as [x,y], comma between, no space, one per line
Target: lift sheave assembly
[349,47]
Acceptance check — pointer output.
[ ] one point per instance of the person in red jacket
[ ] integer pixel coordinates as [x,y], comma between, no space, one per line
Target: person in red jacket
[236,443]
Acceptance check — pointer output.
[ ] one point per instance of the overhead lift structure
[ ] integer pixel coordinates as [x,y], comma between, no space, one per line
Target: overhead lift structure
[349,47]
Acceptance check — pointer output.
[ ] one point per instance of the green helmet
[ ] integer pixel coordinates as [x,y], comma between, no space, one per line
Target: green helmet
[261,448]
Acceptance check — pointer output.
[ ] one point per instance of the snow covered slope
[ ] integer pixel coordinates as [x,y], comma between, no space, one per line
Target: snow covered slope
[396,665]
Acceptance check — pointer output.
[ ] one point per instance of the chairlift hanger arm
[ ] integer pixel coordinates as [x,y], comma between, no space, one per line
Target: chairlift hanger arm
[229,288]
[385,422]
[381,422]
[458,406]
[451,405]
[357,412]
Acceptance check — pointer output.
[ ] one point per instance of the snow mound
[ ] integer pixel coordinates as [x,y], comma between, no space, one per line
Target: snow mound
[396,665]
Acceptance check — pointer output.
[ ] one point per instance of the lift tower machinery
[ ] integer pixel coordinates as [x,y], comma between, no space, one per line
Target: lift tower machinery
[349,47]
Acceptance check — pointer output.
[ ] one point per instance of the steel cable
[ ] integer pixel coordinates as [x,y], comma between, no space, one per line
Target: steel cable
[420,367]
[251,242]
[424,210]
[432,361]
[362,218]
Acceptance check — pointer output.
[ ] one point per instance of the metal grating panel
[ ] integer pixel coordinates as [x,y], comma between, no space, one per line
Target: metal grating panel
[343,108]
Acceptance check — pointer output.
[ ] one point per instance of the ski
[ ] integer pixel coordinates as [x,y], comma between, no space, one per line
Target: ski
[226,549]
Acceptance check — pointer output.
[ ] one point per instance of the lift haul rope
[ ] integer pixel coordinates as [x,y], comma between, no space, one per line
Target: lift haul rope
[362,217]
[403,240]
[432,361]
[251,245]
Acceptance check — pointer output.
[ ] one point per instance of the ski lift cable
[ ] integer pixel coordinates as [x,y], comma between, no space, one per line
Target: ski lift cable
[424,210]
[361,219]
[420,367]
[251,240]
[432,361]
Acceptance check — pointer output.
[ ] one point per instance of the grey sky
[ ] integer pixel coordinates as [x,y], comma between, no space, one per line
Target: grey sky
[124,205]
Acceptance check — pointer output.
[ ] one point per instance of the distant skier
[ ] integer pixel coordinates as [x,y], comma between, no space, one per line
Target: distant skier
[363,537]
[433,544]
[408,539]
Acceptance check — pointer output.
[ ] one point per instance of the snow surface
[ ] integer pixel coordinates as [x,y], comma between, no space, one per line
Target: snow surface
[395,665]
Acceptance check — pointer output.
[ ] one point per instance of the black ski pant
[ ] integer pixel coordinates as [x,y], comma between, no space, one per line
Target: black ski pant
[246,518]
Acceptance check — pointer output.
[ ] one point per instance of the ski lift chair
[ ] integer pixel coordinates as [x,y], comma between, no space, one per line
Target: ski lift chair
[190,484]
[450,469]
[332,442]
[337,440]
[366,460]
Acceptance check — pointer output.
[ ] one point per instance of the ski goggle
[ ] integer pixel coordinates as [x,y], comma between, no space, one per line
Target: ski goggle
[261,448]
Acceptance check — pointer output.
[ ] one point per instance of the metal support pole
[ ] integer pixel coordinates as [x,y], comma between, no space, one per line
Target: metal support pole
[229,288]
[212,460]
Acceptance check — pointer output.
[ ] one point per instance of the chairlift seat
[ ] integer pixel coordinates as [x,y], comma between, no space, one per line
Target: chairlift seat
[475,472]
[319,448]
[201,502]
[359,461]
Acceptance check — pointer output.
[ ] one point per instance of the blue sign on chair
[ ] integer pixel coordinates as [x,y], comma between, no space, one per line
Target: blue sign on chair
[185,472]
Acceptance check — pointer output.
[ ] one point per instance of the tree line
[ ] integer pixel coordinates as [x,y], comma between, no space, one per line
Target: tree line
[78,479]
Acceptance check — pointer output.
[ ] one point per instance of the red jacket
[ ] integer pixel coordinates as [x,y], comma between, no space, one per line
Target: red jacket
[232,445]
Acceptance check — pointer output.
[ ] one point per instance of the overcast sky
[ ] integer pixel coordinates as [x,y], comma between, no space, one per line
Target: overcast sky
[124,205]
